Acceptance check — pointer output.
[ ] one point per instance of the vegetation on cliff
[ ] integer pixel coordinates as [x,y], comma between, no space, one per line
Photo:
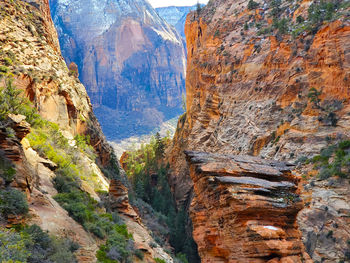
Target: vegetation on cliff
[50,143]
[23,243]
[318,13]
[119,247]
[334,160]
[33,245]
[147,171]
[47,139]
[12,101]
[12,201]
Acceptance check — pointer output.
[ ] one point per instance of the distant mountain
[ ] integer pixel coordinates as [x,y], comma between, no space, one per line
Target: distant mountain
[176,16]
[131,61]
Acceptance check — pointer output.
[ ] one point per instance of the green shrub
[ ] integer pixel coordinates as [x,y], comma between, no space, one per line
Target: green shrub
[281,25]
[246,27]
[64,183]
[8,61]
[325,173]
[181,258]
[7,170]
[13,101]
[13,202]
[252,5]
[3,69]
[321,11]
[333,160]
[265,30]
[300,19]
[31,244]
[119,246]
[12,246]
[344,145]
[313,95]
[101,226]
[159,260]
[138,253]
[83,142]
[275,5]
[79,205]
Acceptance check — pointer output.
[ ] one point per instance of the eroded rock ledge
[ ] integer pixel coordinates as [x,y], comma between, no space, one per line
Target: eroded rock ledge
[244,209]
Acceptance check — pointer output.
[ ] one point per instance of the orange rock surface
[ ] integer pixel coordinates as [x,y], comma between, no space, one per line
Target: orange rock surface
[244,209]
[248,92]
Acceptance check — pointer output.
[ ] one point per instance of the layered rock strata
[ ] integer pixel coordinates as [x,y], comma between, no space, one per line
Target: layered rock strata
[244,209]
[282,93]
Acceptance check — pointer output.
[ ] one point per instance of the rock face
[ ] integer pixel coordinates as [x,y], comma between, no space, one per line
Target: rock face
[119,200]
[11,149]
[131,61]
[244,209]
[324,221]
[254,90]
[176,16]
[40,71]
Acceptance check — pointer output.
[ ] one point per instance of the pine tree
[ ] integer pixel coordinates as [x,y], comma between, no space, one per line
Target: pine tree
[159,147]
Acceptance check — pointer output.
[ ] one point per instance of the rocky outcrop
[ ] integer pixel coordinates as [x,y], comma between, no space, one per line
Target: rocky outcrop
[11,149]
[244,209]
[119,200]
[256,88]
[131,61]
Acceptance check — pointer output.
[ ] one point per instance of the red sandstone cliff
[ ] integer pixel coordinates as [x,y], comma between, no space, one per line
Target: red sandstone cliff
[250,91]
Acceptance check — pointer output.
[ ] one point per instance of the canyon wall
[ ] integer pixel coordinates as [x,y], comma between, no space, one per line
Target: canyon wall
[131,61]
[30,57]
[40,71]
[176,16]
[271,80]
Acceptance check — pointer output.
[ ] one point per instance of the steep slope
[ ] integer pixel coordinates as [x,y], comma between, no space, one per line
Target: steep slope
[61,160]
[131,61]
[272,80]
